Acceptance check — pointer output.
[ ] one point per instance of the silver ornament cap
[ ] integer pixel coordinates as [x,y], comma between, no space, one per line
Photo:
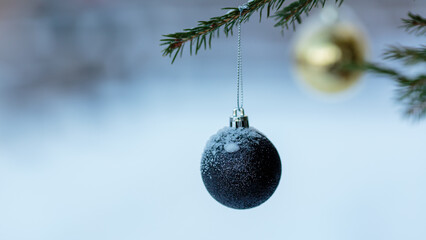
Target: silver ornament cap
[238,119]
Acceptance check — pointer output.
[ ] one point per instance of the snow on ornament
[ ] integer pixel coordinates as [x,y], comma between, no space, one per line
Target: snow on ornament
[240,167]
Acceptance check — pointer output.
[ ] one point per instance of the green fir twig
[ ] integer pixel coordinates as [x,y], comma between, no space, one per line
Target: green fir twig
[291,14]
[411,90]
[409,55]
[201,36]
[414,24]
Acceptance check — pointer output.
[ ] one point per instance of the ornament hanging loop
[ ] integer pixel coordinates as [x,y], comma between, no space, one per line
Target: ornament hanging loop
[241,8]
[238,119]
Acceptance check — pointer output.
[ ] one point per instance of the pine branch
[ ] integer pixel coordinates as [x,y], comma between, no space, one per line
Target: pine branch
[175,42]
[292,13]
[415,24]
[408,55]
[411,91]
[201,36]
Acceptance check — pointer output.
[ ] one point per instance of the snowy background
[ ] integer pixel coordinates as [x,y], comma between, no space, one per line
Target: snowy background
[101,137]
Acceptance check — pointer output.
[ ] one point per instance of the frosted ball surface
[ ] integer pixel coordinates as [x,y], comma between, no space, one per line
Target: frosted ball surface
[240,167]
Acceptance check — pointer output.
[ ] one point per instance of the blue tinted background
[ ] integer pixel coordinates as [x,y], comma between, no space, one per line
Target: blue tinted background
[101,137]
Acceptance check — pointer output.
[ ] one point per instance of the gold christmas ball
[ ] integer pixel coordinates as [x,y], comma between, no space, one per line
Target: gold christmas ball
[321,52]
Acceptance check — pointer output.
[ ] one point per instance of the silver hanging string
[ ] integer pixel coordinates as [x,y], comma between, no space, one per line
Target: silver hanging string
[240,95]
[238,118]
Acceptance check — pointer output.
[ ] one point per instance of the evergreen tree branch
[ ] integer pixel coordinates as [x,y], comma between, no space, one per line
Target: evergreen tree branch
[201,36]
[408,55]
[411,91]
[175,42]
[292,13]
[415,24]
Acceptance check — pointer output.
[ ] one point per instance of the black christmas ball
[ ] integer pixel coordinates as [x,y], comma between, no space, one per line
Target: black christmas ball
[240,167]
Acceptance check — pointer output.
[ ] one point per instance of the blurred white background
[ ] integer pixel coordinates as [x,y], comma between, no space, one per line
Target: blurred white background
[101,137]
